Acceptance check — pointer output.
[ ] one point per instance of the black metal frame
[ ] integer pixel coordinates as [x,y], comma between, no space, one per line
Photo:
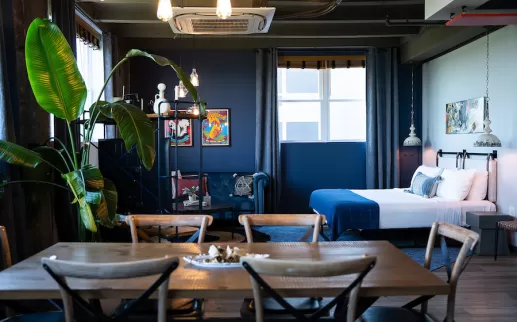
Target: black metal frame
[176,116]
[337,301]
[466,155]
[96,312]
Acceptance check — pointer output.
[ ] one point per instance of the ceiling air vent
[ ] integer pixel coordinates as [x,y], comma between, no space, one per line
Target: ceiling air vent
[204,21]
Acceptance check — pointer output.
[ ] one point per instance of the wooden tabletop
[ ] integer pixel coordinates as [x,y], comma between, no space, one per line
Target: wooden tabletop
[395,273]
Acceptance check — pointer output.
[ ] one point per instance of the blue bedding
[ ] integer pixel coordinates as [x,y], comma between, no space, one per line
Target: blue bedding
[344,210]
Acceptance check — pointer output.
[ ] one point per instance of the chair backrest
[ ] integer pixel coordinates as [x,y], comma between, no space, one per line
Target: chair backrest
[468,239]
[282,220]
[135,221]
[60,270]
[272,267]
[6,251]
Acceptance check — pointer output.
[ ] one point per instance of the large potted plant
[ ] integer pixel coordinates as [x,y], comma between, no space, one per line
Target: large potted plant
[60,90]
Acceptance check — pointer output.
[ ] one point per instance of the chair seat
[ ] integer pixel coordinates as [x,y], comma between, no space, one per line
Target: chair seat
[177,308]
[508,225]
[393,314]
[272,308]
[38,317]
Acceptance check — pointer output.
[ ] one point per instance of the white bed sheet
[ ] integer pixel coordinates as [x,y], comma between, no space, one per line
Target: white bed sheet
[399,209]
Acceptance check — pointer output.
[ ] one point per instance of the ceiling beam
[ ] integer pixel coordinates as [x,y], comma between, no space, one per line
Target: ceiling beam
[243,43]
[436,41]
[272,3]
[277,31]
[147,14]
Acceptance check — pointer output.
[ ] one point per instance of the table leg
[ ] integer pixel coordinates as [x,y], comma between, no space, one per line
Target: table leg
[496,240]
[234,225]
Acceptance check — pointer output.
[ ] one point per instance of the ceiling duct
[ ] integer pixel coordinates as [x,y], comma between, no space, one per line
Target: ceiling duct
[472,12]
[204,21]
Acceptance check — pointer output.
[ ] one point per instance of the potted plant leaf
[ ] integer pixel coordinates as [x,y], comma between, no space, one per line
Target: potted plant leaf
[60,90]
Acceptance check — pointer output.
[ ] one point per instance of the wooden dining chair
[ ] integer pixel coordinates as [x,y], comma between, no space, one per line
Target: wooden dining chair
[185,308]
[315,221]
[304,271]
[6,251]
[163,222]
[61,270]
[468,239]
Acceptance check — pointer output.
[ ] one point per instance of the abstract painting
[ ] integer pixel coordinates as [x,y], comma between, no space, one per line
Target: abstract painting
[465,116]
[184,135]
[216,127]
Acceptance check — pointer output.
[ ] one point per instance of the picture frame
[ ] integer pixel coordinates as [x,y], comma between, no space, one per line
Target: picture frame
[184,138]
[216,128]
[466,116]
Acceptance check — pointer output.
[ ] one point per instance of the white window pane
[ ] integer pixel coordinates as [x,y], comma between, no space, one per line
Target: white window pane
[300,121]
[297,84]
[348,83]
[348,121]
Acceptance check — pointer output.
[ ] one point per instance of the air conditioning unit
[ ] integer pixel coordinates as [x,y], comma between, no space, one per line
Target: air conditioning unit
[204,21]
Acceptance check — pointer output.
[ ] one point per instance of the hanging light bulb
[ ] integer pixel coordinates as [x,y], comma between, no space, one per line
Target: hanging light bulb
[487,139]
[182,90]
[164,12]
[194,109]
[224,9]
[412,139]
[194,78]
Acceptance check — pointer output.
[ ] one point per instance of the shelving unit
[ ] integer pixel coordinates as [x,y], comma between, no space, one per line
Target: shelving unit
[176,114]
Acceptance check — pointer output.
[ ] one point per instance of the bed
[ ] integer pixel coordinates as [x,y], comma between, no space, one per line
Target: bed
[396,209]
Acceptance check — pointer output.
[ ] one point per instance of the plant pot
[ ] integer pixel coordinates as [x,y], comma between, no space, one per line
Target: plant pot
[192,198]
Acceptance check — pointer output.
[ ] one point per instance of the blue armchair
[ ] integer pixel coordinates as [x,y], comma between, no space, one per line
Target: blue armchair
[221,187]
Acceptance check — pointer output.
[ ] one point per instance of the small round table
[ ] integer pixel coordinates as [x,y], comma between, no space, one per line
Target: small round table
[506,225]
[208,210]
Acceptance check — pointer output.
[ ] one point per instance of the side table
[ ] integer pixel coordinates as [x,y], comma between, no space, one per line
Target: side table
[485,223]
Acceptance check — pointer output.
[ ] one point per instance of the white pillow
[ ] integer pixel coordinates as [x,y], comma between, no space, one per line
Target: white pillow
[431,172]
[455,184]
[479,186]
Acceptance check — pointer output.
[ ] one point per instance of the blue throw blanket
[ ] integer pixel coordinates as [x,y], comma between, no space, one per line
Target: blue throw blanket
[344,210]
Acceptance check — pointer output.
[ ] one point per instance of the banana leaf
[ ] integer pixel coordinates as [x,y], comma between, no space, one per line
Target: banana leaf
[76,183]
[135,129]
[106,211]
[15,154]
[162,61]
[93,177]
[53,74]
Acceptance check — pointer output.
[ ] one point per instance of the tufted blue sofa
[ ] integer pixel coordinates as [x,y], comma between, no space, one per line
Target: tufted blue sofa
[221,187]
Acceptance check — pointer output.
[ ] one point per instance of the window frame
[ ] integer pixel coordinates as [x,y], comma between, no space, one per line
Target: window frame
[324,88]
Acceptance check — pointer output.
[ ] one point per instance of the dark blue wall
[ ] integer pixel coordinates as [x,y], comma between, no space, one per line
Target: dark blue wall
[310,166]
[227,80]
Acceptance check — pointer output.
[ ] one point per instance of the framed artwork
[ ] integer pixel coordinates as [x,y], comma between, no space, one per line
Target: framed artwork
[216,128]
[184,135]
[466,116]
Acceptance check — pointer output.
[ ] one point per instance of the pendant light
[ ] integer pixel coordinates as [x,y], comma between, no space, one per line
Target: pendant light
[182,90]
[412,139]
[194,77]
[164,12]
[487,139]
[224,9]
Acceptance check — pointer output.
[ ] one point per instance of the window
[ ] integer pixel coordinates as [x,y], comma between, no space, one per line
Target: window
[322,105]
[91,65]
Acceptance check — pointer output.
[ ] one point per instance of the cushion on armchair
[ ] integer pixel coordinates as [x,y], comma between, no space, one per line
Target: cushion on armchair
[243,185]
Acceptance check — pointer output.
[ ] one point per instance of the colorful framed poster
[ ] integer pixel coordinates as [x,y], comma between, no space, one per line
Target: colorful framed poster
[465,116]
[184,135]
[216,127]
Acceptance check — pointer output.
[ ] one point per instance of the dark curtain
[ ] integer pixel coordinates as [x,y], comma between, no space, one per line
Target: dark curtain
[267,146]
[382,119]
[63,15]
[12,204]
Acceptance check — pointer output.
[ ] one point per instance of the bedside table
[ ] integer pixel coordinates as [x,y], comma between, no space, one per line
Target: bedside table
[484,223]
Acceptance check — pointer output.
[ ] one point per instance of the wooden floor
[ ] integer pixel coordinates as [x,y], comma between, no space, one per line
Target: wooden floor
[487,292]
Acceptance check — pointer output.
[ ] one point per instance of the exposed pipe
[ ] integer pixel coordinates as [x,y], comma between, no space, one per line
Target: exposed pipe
[413,23]
[315,13]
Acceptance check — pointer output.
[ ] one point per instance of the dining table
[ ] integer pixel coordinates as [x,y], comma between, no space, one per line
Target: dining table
[395,273]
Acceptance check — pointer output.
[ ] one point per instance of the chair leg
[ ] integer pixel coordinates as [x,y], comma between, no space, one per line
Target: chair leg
[496,241]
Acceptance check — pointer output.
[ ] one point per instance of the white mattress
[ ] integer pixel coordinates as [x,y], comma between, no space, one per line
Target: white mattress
[399,209]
